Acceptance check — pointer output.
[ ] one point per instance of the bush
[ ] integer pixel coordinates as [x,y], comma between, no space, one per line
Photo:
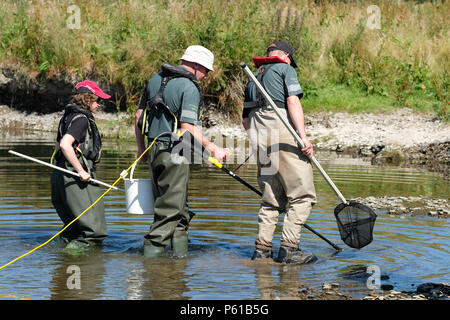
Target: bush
[126,41]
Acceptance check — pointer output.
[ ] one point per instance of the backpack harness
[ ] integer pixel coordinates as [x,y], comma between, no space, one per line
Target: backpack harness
[265,63]
[84,150]
[157,103]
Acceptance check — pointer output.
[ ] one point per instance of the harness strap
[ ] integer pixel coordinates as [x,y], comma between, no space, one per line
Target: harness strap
[57,152]
[257,104]
[157,102]
[260,100]
[84,159]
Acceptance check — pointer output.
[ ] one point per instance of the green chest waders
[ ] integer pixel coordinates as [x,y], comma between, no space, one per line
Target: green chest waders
[170,176]
[71,197]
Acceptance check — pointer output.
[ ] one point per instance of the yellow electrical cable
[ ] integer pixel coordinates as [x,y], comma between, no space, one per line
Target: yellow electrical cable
[118,179]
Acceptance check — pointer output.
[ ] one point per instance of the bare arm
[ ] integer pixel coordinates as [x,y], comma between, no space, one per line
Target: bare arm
[219,153]
[296,113]
[245,123]
[68,152]
[139,137]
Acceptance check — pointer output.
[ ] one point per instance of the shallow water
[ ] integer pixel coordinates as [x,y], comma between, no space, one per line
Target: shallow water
[406,250]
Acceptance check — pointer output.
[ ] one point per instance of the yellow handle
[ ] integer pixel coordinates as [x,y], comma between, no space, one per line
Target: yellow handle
[211,159]
[215,162]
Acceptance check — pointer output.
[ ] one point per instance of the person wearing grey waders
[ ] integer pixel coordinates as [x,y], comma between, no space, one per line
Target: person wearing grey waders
[172,101]
[284,171]
[78,149]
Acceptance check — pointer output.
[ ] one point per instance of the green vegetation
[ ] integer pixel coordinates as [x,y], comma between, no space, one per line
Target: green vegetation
[343,64]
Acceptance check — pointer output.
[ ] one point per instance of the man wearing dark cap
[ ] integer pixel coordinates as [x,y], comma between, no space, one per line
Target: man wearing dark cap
[284,171]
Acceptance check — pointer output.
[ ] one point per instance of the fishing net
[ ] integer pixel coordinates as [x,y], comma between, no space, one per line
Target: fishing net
[355,222]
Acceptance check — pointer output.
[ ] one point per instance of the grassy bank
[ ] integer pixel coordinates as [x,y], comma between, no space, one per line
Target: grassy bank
[344,64]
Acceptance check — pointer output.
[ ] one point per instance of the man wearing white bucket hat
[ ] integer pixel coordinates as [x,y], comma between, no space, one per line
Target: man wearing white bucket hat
[171,101]
[200,55]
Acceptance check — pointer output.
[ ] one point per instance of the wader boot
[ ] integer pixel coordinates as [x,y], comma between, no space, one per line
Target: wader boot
[180,244]
[78,245]
[291,255]
[262,254]
[152,251]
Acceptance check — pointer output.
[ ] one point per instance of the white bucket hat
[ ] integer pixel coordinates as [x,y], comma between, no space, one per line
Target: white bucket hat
[200,55]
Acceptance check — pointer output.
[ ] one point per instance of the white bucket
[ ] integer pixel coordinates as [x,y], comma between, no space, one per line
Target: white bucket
[139,195]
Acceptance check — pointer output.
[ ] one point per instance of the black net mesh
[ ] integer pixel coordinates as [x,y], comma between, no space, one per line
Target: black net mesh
[355,222]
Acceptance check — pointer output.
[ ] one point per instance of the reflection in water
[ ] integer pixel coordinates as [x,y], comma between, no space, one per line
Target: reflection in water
[164,279]
[90,267]
[135,282]
[408,250]
[265,280]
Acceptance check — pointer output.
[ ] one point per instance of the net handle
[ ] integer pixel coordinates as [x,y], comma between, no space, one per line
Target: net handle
[292,131]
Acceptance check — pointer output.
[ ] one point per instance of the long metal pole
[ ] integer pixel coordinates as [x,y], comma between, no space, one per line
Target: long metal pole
[292,131]
[62,169]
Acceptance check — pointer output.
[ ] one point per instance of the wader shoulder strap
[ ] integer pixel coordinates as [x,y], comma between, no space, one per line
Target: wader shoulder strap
[57,153]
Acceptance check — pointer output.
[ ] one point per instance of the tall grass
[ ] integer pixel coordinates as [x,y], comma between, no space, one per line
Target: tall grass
[125,41]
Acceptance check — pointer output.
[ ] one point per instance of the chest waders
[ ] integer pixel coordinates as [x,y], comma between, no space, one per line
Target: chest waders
[170,177]
[70,196]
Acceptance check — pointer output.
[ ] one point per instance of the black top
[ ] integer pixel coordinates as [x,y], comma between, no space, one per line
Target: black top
[77,128]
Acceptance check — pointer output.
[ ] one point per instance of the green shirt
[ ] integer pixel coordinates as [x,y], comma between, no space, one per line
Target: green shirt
[180,95]
[280,82]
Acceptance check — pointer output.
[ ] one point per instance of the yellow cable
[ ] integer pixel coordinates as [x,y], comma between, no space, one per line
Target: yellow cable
[118,179]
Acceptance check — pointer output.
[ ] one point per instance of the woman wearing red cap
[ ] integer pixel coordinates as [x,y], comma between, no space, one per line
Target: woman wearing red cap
[78,149]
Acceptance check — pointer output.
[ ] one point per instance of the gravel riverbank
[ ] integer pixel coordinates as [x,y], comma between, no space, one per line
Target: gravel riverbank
[400,137]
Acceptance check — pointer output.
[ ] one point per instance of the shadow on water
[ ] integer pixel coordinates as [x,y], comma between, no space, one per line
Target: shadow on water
[406,250]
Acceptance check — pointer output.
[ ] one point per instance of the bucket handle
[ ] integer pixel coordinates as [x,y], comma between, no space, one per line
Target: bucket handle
[132,171]
[124,173]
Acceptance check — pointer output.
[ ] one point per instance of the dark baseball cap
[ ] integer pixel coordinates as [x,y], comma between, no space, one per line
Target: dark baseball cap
[283,46]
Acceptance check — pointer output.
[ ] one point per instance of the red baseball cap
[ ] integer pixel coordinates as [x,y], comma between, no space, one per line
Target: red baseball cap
[91,87]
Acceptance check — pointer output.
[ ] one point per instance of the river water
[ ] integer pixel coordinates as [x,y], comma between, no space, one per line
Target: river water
[406,252]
